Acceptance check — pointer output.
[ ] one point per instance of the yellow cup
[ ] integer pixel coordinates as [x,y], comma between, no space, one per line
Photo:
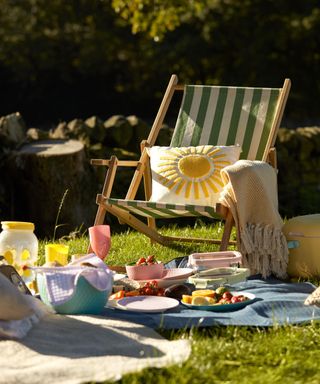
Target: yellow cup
[57,252]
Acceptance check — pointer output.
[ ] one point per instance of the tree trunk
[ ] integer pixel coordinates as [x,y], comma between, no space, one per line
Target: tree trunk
[52,180]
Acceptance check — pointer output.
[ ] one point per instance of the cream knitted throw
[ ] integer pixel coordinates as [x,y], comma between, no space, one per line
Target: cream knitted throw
[250,192]
[85,349]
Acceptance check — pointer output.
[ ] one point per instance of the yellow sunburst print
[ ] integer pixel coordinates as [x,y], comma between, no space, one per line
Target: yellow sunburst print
[192,171]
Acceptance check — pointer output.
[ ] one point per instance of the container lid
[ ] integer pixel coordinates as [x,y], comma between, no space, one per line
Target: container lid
[303,226]
[17,225]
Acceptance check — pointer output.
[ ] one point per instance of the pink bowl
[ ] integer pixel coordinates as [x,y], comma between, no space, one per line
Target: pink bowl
[145,272]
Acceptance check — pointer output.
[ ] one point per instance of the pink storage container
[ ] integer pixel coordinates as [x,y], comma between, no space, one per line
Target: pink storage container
[214,259]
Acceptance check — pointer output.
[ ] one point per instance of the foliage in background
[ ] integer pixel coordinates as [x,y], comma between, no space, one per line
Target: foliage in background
[157,17]
[60,60]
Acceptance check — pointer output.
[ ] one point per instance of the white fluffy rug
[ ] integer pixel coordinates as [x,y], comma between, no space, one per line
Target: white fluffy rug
[77,349]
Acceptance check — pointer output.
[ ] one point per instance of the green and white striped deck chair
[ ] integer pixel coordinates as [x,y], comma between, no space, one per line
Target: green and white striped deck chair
[209,115]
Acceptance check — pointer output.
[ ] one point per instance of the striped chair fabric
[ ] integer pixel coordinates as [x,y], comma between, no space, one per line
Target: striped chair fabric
[217,116]
[161,210]
[225,116]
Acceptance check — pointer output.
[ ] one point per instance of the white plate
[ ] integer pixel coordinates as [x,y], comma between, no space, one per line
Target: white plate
[118,276]
[147,303]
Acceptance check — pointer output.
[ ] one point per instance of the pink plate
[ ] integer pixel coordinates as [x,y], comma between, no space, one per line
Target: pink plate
[173,274]
[147,303]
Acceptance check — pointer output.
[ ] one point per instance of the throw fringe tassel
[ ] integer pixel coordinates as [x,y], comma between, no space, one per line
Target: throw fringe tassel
[264,250]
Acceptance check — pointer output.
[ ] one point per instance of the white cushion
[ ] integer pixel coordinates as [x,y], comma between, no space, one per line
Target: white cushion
[189,175]
[13,304]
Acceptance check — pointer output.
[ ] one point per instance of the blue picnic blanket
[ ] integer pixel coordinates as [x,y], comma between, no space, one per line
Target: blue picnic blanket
[277,303]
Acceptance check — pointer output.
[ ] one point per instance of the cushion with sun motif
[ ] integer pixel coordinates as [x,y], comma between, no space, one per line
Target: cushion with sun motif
[189,175]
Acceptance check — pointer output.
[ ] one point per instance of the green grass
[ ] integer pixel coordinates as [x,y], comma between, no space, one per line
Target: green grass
[242,355]
[288,354]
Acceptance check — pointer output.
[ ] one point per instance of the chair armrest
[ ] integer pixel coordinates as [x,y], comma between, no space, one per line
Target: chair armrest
[113,163]
[120,163]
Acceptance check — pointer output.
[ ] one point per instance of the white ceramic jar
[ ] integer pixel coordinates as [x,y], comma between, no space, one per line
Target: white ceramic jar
[19,246]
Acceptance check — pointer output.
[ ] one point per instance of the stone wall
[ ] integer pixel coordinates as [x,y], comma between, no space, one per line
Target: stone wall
[298,163]
[299,171]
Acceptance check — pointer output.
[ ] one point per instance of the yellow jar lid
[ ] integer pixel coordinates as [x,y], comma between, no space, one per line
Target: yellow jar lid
[17,225]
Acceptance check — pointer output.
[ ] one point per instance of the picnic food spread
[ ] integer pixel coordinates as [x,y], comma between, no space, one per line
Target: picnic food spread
[185,292]
[84,284]
[87,285]
[149,289]
[220,296]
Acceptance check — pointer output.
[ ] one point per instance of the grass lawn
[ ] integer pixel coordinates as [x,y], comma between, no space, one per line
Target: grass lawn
[288,354]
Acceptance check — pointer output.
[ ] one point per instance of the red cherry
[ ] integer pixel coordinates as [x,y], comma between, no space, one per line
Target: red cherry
[142,260]
[227,295]
[235,299]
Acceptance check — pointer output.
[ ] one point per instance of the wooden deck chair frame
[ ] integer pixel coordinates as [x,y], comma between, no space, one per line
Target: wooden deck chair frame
[143,172]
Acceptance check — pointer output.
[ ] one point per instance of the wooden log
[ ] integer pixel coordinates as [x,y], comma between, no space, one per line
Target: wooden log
[41,173]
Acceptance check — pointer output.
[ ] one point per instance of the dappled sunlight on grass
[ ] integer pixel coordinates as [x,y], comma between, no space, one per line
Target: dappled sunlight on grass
[236,355]
[241,355]
[128,246]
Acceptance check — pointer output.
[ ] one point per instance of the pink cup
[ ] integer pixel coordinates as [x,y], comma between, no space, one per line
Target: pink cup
[100,240]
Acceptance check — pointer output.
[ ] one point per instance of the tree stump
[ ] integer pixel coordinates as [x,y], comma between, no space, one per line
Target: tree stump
[52,180]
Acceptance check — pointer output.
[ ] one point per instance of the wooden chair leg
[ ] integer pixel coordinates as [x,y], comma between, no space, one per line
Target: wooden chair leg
[272,158]
[106,192]
[100,215]
[147,181]
[229,223]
